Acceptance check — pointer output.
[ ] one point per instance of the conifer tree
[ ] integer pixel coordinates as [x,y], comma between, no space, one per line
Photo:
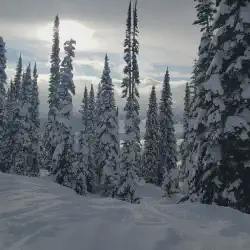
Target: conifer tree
[225,163]
[84,110]
[186,110]
[131,155]
[151,145]
[98,112]
[192,83]
[11,139]
[91,111]
[127,80]
[195,147]
[18,79]
[35,126]
[107,132]
[98,105]
[168,153]
[81,165]
[135,83]
[51,129]
[186,114]
[8,140]
[91,139]
[3,83]
[64,156]
[23,157]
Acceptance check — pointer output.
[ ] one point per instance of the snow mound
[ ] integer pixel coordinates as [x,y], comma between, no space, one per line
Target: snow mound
[38,214]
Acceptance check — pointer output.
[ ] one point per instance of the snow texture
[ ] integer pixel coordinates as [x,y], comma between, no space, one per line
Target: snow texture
[38,214]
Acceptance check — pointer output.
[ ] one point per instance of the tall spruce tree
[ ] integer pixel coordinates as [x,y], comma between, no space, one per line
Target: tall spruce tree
[91,139]
[135,83]
[8,140]
[24,157]
[223,178]
[107,132]
[196,145]
[51,128]
[3,83]
[98,112]
[84,110]
[91,111]
[183,148]
[131,156]
[11,139]
[64,156]
[168,152]
[186,110]
[18,79]
[35,123]
[151,138]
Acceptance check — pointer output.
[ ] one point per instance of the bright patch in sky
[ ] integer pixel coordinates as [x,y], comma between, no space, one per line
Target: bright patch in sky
[71,29]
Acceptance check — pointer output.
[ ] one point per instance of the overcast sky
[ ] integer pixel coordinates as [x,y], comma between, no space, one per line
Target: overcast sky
[167,38]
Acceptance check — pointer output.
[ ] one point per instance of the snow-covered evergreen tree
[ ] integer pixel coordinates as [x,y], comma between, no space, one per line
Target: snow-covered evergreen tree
[23,157]
[201,102]
[64,156]
[11,144]
[65,173]
[84,110]
[225,163]
[135,83]
[168,175]
[51,128]
[6,149]
[91,111]
[151,144]
[3,83]
[81,166]
[35,123]
[91,139]
[98,103]
[126,185]
[18,79]
[127,80]
[183,147]
[98,111]
[131,156]
[107,132]
[186,110]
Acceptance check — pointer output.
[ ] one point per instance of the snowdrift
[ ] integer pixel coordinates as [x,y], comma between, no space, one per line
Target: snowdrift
[37,214]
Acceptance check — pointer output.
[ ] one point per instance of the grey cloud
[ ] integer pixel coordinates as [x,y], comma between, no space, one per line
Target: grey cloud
[99,10]
[149,81]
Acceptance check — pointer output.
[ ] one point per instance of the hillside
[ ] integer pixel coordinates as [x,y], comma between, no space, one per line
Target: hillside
[38,214]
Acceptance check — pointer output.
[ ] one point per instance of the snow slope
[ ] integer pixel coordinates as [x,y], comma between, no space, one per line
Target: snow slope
[37,214]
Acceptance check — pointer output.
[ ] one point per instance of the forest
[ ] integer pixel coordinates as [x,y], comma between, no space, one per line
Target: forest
[215,152]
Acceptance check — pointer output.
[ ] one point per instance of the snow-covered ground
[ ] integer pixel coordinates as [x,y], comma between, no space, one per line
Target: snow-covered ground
[37,214]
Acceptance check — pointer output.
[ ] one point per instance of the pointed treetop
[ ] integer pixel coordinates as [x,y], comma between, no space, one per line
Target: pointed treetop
[167,74]
[91,92]
[35,71]
[57,21]
[129,15]
[135,16]
[85,95]
[106,69]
